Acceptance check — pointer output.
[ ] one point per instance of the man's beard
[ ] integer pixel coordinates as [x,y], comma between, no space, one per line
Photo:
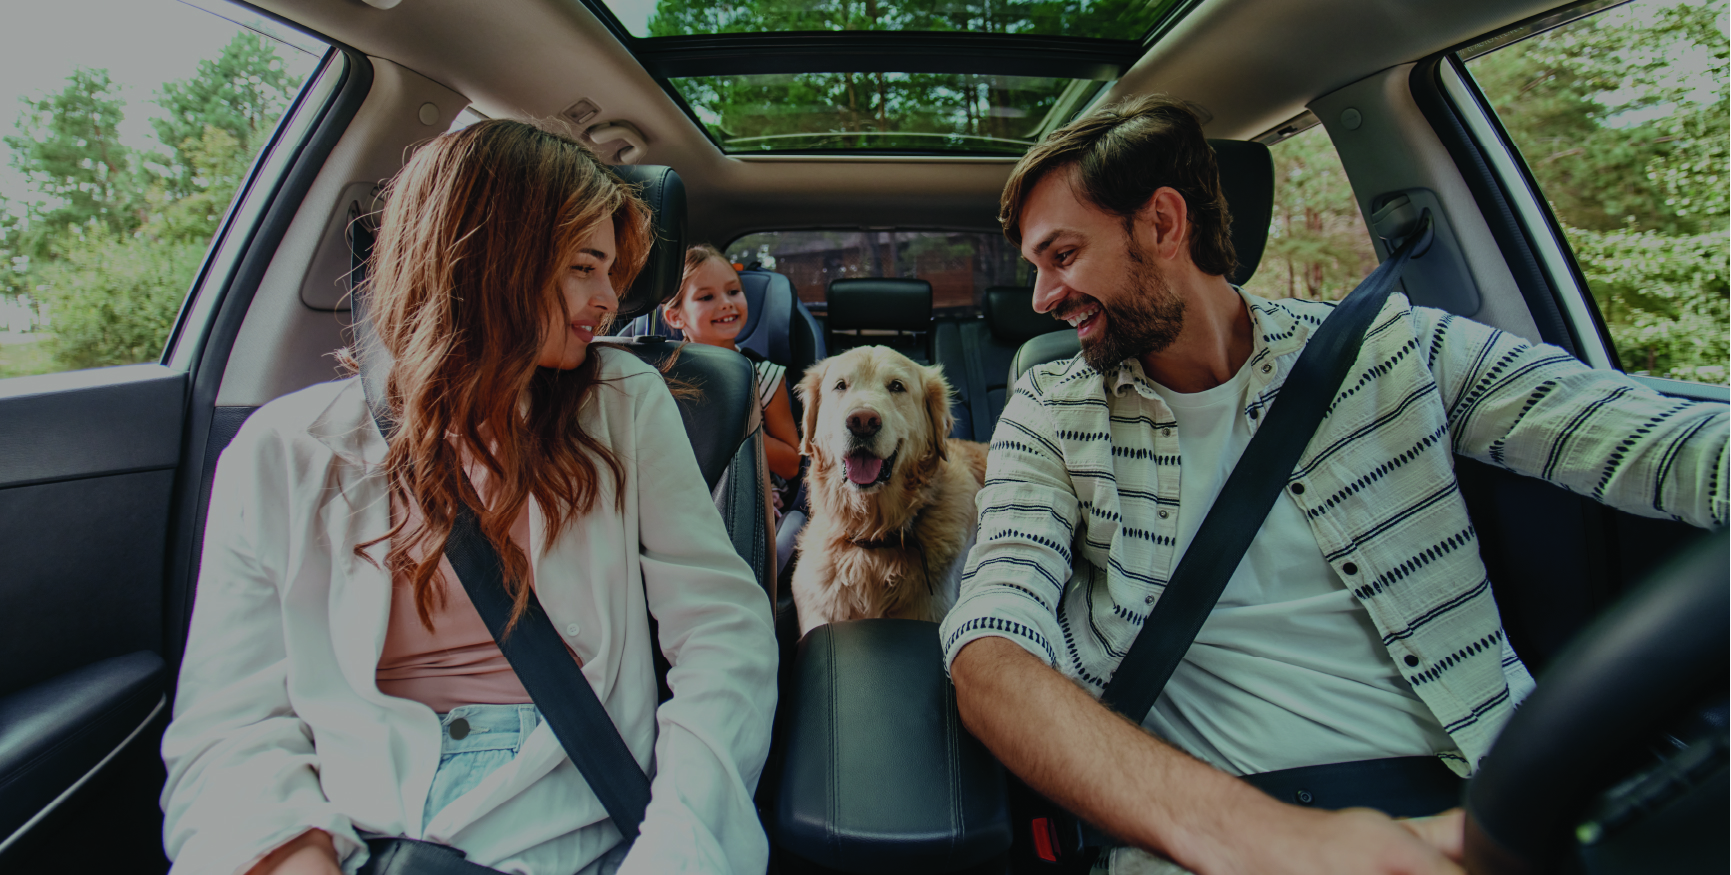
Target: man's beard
[1147,317]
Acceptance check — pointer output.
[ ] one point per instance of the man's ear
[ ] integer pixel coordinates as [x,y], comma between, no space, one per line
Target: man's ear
[938,408]
[1165,223]
[810,390]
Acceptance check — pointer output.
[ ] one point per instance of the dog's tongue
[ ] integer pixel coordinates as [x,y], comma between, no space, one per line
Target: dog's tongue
[864,469]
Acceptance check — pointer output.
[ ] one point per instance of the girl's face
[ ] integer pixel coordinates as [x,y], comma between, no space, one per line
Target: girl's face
[711,306]
[589,301]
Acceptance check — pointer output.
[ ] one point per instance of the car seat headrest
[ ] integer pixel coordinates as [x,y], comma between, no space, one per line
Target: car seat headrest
[664,191]
[886,303]
[1247,180]
[1009,312]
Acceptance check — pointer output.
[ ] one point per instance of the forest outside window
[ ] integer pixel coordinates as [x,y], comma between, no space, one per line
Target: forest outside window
[120,166]
[1621,117]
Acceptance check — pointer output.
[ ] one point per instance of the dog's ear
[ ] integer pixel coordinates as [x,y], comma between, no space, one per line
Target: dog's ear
[810,390]
[938,408]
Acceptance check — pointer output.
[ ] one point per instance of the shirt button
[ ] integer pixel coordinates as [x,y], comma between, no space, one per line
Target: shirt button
[1267,368]
[1148,600]
[571,629]
[1298,489]
[1412,660]
[1164,514]
[1349,568]
[1253,413]
[1165,432]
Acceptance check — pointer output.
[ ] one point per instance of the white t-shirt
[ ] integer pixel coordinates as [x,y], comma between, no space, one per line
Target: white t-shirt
[1288,670]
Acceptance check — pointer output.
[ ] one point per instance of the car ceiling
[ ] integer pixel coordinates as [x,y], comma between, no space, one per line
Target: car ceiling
[1251,64]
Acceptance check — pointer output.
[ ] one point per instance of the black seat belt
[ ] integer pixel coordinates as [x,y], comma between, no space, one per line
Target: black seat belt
[1218,546]
[533,648]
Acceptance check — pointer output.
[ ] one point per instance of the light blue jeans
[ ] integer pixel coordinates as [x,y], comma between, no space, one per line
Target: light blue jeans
[491,736]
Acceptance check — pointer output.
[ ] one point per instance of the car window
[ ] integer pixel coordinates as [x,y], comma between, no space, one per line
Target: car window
[1318,247]
[960,265]
[1621,117]
[118,159]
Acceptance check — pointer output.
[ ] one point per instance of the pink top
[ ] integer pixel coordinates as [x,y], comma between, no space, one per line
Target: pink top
[457,663]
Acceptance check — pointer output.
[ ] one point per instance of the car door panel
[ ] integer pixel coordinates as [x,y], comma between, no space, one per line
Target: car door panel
[87,472]
[86,480]
[56,734]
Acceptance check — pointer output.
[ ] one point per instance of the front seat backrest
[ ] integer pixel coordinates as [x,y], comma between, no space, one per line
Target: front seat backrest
[898,304]
[664,191]
[1247,180]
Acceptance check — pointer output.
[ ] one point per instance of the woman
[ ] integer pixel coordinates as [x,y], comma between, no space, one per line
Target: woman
[711,309]
[338,685]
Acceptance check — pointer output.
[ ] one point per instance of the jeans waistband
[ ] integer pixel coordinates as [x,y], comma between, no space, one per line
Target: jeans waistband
[467,728]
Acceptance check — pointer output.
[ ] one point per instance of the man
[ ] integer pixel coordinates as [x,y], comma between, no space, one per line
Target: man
[1360,624]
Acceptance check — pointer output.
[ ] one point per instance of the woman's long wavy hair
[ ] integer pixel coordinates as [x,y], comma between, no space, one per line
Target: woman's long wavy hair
[477,230]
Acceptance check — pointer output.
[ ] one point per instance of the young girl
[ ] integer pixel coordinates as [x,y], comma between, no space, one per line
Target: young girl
[710,308]
[338,684]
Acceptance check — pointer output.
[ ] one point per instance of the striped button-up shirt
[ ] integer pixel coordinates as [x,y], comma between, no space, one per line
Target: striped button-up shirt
[1076,541]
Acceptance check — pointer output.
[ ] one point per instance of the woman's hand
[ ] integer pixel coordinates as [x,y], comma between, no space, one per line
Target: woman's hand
[310,853]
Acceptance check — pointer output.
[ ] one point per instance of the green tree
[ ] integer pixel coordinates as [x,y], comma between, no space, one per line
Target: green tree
[242,91]
[68,148]
[112,298]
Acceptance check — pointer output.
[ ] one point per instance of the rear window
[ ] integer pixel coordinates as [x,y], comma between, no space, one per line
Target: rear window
[960,265]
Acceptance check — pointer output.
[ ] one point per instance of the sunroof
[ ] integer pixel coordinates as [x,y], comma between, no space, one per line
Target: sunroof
[882,112]
[1099,19]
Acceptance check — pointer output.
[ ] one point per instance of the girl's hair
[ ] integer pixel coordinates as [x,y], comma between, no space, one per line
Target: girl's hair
[478,229]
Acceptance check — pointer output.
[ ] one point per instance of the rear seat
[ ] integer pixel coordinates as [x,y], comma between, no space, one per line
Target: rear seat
[976,355]
[902,307]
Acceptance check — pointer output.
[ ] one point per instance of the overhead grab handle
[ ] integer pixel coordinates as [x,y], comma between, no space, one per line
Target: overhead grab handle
[635,146]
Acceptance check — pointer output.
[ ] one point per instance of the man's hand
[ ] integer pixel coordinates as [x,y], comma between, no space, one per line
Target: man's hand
[1357,841]
[310,853]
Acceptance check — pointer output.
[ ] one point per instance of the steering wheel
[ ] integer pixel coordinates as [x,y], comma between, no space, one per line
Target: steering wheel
[1654,652]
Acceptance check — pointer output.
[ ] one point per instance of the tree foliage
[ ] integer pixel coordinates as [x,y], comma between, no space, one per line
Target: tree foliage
[1622,118]
[109,247]
[1107,19]
[68,148]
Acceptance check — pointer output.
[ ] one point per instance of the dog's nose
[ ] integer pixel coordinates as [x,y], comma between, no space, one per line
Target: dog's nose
[864,423]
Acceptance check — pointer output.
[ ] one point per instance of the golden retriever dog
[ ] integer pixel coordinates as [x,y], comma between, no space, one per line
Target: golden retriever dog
[892,495]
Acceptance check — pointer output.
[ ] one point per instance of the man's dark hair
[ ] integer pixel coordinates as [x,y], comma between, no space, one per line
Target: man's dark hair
[1121,154]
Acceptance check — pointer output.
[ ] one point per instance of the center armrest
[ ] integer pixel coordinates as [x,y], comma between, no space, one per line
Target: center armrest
[879,774]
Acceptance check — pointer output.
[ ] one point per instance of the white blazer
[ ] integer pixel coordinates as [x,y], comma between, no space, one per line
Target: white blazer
[279,726]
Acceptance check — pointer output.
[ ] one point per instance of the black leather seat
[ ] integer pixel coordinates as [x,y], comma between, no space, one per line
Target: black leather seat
[898,310]
[976,353]
[716,415]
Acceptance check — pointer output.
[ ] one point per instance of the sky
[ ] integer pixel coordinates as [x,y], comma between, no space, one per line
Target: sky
[634,14]
[142,44]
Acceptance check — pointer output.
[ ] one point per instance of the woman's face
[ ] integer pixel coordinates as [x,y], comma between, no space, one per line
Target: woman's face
[589,300]
[711,306]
